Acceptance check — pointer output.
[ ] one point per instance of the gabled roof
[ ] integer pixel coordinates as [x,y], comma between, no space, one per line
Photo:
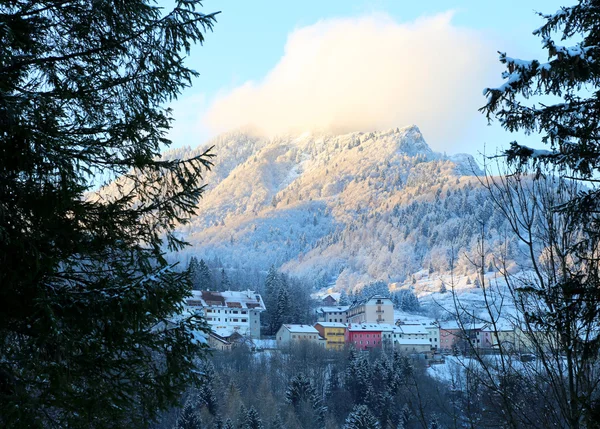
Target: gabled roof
[333,309]
[301,329]
[372,327]
[413,329]
[331,324]
[412,342]
[228,299]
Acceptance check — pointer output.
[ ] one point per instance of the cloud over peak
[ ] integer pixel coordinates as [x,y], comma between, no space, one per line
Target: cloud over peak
[366,73]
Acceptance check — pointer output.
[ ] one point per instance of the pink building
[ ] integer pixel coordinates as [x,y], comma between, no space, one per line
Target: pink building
[364,336]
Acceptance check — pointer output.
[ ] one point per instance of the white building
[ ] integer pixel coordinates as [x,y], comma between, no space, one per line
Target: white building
[332,314]
[377,309]
[413,332]
[229,312]
[433,331]
[292,333]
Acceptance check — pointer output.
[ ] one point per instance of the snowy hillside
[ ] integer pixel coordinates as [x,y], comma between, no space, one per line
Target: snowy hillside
[338,208]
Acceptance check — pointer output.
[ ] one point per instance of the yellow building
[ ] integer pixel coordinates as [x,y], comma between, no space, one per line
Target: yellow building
[334,334]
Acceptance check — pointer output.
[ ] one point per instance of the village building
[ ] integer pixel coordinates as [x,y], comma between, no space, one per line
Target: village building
[229,312]
[413,346]
[334,334]
[364,336]
[456,336]
[288,334]
[332,314]
[329,301]
[377,309]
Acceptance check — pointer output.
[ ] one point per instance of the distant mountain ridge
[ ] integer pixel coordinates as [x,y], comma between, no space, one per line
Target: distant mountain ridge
[346,208]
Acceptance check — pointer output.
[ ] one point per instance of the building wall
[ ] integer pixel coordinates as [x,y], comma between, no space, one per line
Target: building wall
[434,335]
[254,323]
[375,310]
[413,348]
[449,338]
[364,340]
[334,337]
[284,337]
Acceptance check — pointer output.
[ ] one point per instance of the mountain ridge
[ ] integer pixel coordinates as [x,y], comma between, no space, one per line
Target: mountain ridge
[329,207]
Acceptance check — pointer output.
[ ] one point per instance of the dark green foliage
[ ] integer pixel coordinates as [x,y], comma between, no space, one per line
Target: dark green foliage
[361,418]
[406,300]
[344,298]
[252,420]
[277,423]
[189,418]
[87,337]
[280,307]
[225,284]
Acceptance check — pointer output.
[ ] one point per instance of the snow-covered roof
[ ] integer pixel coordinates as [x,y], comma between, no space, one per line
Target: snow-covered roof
[301,329]
[413,329]
[246,299]
[378,327]
[412,342]
[331,324]
[337,309]
[454,325]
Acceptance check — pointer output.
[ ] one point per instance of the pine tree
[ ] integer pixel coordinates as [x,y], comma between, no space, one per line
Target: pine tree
[204,277]
[86,336]
[277,423]
[189,418]
[443,288]
[194,273]
[283,309]
[299,390]
[225,285]
[361,418]
[344,298]
[253,420]
[558,98]
[228,424]
[207,397]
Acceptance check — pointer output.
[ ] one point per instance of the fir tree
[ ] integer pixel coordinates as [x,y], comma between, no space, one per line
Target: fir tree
[87,294]
[194,273]
[344,298]
[252,420]
[361,418]
[443,288]
[204,277]
[299,390]
[228,424]
[189,418]
[225,285]
[277,423]
[207,397]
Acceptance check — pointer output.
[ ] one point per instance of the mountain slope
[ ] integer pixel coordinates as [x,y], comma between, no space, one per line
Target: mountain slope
[347,208]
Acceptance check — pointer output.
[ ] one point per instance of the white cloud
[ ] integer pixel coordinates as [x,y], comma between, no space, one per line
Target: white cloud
[368,73]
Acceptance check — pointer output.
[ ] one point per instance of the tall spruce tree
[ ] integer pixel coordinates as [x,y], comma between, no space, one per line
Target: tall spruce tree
[87,337]
[555,217]
[361,418]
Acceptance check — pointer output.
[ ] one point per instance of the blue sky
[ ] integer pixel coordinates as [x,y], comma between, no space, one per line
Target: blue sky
[246,52]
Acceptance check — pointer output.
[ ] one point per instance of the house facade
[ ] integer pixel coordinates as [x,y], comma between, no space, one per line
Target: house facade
[377,309]
[289,334]
[334,334]
[364,336]
[229,312]
[336,314]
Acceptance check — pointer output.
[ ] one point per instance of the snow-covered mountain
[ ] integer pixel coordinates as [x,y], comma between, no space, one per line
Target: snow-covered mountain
[338,208]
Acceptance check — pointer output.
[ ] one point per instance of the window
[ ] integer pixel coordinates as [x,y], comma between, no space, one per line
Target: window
[244,320]
[293,336]
[243,311]
[235,320]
